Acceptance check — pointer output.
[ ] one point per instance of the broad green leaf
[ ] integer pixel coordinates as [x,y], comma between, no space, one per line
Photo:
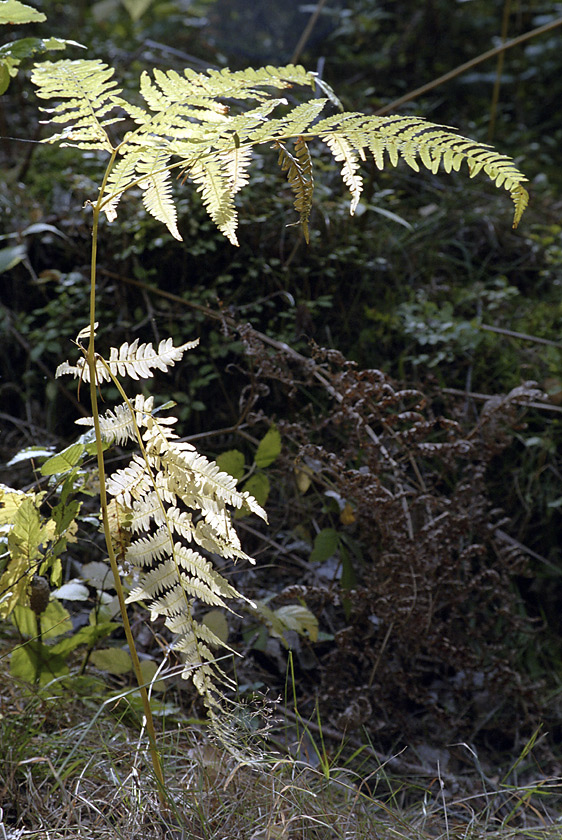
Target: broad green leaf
[268,449]
[113,660]
[232,462]
[326,543]
[33,660]
[26,47]
[55,621]
[11,256]
[63,461]
[4,77]
[87,635]
[12,11]
[28,530]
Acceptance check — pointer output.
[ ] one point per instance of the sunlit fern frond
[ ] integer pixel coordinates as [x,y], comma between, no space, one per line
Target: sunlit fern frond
[119,425]
[235,163]
[198,123]
[157,191]
[169,516]
[139,361]
[416,141]
[299,175]
[216,193]
[89,94]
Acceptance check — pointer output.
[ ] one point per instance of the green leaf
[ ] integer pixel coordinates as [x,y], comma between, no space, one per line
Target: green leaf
[326,543]
[12,11]
[55,620]
[257,486]
[268,450]
[34,660]
[4,77]
[87,635]
[63,461]
[148,670]
[232,462]
[113,660]
[14,254]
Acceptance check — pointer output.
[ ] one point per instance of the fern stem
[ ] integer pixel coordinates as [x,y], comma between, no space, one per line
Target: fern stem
[91,360]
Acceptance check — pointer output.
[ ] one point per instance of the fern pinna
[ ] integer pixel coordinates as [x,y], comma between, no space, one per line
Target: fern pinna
[169,514]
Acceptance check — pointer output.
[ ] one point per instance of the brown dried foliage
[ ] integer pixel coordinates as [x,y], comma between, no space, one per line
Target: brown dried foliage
[429,640]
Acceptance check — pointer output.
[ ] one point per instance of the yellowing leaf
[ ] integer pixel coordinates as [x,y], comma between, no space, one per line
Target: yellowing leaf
[298,618]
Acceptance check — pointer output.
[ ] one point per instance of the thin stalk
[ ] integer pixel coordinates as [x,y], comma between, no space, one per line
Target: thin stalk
[520,39]
[499,71]
[91,361]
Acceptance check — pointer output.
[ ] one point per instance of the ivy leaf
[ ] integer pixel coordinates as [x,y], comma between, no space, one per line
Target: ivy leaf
[269,448]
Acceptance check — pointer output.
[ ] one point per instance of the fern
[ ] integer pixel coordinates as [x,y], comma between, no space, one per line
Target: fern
[134,360]
[187,126]
[170,508]
[180,501]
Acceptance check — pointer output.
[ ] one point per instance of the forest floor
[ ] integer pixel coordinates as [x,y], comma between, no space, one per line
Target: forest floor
[75,765]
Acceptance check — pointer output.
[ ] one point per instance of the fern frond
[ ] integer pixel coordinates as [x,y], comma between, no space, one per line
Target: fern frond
[134,360]
[213,184]
[234,164]
[299,175]
[157,195]
[90,94]
[204,88]
[131,482]
[343,151]
[118,426]
[413,139]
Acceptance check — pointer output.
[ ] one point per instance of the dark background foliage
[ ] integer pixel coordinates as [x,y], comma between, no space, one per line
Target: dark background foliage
[436,630]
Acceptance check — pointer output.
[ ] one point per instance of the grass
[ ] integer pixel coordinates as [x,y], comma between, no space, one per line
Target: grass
[73,766]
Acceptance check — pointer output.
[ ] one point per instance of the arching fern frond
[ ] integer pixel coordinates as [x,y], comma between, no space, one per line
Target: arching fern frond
[414,139]
[198,123]
[216,193]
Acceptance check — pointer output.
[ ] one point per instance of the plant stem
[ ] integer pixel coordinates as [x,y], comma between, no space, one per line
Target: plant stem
[91,361]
